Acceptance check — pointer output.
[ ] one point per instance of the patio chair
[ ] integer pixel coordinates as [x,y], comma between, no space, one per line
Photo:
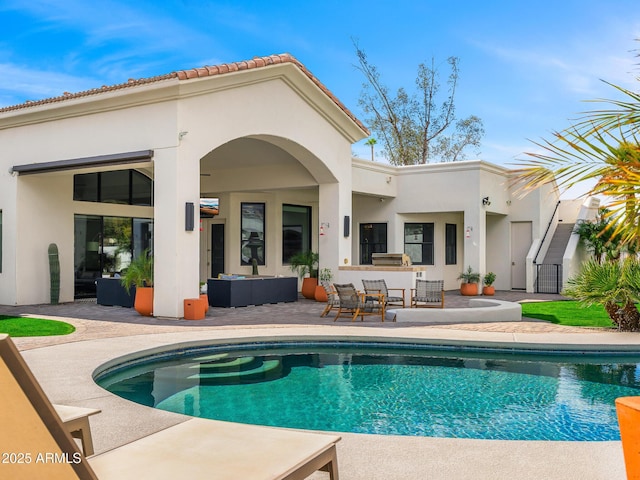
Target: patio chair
[428,293]
[196,449]
[380,286]
[356,304]
[332,297]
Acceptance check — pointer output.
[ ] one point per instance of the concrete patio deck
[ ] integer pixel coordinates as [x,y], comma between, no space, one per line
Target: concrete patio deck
[64,366]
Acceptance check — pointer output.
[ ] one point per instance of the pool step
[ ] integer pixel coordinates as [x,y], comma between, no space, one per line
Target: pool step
[267,370]
[212,358]
[234,365]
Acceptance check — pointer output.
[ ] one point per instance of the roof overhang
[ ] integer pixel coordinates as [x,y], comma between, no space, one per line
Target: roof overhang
[84,163]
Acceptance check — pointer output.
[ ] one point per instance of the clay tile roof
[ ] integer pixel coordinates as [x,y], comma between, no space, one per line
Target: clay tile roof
[185,75]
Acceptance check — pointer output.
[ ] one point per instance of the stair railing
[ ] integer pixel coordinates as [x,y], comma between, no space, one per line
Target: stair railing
[544,237]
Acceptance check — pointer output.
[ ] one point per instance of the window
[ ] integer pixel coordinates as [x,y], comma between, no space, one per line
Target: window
[252,233]
[418,242]
[127,187]
[296,230]
[373,239]
[141,189]
[105,246]
[85,187]
[114,187]
[450,244]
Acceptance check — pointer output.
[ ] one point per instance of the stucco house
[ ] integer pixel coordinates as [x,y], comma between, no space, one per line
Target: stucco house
[108,172]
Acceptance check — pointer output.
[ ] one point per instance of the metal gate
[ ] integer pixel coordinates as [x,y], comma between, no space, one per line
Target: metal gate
[549,278]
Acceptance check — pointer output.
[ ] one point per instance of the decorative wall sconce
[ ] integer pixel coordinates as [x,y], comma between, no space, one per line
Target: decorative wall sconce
[189,216]
[485,201]
[467,232]
[323,225]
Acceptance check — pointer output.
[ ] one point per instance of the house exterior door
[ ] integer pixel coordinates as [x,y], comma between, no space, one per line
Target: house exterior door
[521,237]
[217,249]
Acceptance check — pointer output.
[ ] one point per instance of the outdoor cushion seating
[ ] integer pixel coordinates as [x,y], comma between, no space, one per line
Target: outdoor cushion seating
[380,286]
[41,446]
[428,293]
[358,304]
[332,297]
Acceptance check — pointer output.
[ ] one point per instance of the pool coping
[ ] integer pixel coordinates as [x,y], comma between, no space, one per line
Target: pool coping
[66,374]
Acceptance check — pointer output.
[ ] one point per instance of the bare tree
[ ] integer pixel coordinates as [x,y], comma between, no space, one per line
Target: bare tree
[413,128]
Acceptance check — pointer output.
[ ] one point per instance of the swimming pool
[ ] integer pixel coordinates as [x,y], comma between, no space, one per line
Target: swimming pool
[390,389]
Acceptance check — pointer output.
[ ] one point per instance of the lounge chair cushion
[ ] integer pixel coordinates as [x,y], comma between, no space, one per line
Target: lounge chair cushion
[232,451]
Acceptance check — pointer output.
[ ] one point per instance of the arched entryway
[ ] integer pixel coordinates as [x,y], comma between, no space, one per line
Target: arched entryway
[268,193]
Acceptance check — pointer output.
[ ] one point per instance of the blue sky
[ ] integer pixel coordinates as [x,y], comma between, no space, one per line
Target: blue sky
[525,67]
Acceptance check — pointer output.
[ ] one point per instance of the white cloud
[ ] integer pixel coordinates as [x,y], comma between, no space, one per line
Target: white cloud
[576,64]
[25,83]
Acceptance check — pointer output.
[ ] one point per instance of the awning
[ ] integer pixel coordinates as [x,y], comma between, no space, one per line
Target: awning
[87,162]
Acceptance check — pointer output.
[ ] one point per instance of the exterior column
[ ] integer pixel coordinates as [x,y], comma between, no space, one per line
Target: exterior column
[176,251]
[475,240]
[334,205]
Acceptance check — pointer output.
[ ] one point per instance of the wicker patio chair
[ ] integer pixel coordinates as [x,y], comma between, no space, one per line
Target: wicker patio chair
[356,304]
[428,293]
[332,297]
[380,286]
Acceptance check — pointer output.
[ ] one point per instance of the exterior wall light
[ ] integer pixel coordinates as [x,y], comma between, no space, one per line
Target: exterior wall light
[485,201]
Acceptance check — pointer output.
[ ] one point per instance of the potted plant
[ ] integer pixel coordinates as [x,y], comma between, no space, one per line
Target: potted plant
[469,285]
[140,273]
[305,264]
[325,275]
[488,280]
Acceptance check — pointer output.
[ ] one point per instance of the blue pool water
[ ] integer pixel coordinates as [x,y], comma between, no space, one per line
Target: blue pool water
[388,390]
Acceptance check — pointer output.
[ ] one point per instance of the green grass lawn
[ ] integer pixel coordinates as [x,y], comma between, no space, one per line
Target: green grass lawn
[33,327]
[569,313]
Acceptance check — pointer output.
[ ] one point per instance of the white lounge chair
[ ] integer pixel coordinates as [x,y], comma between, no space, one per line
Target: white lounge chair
[38,445]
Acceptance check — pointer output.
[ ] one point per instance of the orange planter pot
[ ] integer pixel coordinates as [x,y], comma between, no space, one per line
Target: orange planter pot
[469,289]
[489,290]
[309,288]
[321,294]
[204,298]
[143,303]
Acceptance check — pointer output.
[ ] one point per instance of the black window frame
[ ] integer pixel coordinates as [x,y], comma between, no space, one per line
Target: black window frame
[95,192]
[368,248]
[305,232]
[246,236]
[451,244]
[427,248]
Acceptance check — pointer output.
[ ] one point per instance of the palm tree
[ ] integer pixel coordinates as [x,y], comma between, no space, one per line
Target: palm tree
[603,147]
[615,285]
[598,237]
[371,142]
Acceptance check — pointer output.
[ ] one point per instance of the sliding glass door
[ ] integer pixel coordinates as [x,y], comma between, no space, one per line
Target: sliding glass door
[104,246]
